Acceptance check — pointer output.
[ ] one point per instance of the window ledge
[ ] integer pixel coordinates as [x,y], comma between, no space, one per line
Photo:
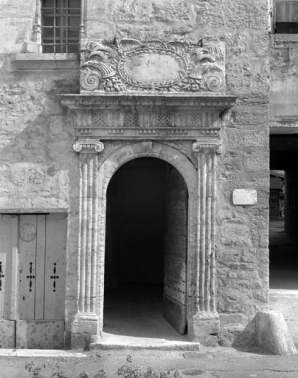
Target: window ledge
[33,61]
[285,37]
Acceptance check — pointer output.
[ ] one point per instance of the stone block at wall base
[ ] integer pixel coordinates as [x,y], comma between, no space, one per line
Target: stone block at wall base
[231,327]
[206,328]
[84,331]
[7,334]
[80,341]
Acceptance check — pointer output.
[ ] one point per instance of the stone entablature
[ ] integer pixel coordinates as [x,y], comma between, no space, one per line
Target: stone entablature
[140,116]
[152,66]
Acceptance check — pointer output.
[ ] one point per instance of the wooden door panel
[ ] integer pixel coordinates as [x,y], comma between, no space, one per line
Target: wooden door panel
[40,264]
[175,256]
[175,289]
[32,280]
[55,267]
[176,244]
[5,265]
[175,313]
[27,266]
[175,267]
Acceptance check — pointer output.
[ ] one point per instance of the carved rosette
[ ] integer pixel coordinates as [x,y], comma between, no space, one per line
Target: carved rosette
[152,66]
[92,145]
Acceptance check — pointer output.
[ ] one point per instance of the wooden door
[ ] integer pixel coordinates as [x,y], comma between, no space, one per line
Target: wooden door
[175,256]
[33,257]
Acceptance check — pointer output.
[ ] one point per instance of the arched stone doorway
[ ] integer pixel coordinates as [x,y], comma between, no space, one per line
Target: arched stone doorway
[182,165]
[96,171]
[146,250]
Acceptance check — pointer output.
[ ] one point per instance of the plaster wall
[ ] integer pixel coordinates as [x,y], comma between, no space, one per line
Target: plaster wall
[37,134]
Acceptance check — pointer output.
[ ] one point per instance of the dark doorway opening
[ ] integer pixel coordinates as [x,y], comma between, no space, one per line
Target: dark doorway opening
[146,249]
[283,230]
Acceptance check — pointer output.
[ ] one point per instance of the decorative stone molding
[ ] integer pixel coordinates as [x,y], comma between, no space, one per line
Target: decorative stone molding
[187,101]
[206,148]
[152,66]
[132,117]
[88,231]
[207,196]
[89,144]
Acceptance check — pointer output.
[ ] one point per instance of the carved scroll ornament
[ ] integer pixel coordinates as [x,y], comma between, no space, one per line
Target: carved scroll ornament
[89,144]
[152,66]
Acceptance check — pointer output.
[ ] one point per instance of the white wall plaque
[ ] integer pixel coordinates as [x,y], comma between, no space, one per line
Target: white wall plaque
[244,196]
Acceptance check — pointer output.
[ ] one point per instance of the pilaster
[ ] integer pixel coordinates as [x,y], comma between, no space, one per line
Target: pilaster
[206,319]
[85,326]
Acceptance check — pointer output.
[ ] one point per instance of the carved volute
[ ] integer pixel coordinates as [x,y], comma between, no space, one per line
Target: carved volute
[130,65]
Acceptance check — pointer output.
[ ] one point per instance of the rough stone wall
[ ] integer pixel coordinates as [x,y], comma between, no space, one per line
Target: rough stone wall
[37,135]
[242,243]
[38,168]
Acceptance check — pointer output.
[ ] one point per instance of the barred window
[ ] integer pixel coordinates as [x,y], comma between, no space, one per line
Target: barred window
[286,17]
[60,25]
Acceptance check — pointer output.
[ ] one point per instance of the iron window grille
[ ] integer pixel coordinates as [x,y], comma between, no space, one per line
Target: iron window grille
[60,26]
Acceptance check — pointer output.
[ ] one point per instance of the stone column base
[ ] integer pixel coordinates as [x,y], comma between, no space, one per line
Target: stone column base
[206,326]
[84,331]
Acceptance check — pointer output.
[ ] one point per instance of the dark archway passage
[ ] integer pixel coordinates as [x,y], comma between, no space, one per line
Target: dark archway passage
[146,249]
[283,240]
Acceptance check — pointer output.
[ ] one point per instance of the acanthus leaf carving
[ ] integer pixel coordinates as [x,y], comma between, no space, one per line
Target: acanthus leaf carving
[153,66]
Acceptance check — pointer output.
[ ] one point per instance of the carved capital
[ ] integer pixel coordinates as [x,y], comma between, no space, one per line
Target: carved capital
[206,147]
[89,144]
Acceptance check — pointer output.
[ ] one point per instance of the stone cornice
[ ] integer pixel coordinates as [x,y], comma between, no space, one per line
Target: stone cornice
[184,101]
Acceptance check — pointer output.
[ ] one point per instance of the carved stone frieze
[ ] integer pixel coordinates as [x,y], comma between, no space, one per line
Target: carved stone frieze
[131,65]
[162,117]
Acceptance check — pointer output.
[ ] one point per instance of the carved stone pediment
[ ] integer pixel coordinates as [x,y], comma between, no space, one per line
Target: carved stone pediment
[130,65]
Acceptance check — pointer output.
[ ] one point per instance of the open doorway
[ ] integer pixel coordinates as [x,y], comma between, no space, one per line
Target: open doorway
[146,251]
[283,231]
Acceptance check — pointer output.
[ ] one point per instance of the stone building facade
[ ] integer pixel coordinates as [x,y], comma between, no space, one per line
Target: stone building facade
[181,83]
